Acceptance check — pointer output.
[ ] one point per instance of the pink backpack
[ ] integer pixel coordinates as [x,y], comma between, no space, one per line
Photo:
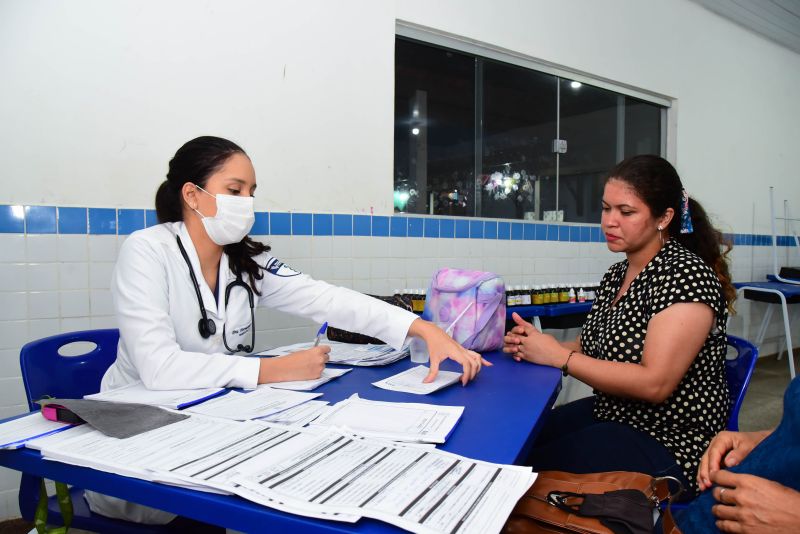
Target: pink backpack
[479,296]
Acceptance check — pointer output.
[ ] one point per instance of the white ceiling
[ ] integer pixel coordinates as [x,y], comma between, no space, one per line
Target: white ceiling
[778,20]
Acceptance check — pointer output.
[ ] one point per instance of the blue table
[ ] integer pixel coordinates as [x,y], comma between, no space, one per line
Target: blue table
[505,409]
[773,292]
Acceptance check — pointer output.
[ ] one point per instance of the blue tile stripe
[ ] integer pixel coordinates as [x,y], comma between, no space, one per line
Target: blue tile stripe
[19,219]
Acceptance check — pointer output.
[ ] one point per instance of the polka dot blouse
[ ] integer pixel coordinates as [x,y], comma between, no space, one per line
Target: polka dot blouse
[698,408]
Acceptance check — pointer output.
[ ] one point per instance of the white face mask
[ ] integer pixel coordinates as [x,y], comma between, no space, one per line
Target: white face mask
[234,219]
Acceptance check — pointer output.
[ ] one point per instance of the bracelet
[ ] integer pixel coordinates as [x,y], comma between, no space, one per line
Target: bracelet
[565,367]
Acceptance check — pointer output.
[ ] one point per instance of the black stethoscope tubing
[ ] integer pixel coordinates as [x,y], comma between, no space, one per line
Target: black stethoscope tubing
[206,326]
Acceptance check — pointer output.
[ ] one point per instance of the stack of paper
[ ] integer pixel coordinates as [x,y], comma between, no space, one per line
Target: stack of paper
[411,381]
[14,433]
[260,402]
[397,421]
[348,353]
[328,374]
[331,474]
[299,415]
[176,399]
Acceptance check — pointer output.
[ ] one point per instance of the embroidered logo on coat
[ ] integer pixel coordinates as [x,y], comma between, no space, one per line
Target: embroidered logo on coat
[278,268]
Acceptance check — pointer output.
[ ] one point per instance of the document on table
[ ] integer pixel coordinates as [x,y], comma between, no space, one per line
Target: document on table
[137,393]
[260,402]
[411,381]
[299,415]
[328,374]
[347,353]
[330,474]
[416,489]
[397,421]
[14,433]
[199,453]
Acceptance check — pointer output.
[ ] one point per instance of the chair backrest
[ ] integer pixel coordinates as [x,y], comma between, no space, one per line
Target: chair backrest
[46,372]
[738,372]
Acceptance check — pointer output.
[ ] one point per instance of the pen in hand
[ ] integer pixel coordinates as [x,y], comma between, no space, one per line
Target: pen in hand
[321,331]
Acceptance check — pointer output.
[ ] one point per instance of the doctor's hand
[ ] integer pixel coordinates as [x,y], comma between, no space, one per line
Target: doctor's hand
[302,365]
[525,342]
[441,346]
[726,450]
[755,505]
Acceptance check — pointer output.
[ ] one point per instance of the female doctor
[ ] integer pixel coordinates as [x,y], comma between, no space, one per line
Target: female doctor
[184,292]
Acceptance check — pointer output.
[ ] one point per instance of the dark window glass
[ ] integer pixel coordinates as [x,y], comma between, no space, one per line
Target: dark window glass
[519,125]
[589,124]
[474,136]
[434,133]
[642,127]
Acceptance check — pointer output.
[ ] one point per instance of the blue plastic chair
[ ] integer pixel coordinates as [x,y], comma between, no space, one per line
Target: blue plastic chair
[738,371]
[46,372]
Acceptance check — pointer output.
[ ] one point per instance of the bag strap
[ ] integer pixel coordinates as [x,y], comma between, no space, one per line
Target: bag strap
[484,319]
[64,504]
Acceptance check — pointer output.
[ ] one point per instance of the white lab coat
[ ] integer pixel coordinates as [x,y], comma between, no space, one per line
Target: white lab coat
[158,313]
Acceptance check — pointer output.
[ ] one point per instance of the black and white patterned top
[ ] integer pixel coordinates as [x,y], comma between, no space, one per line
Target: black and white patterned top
[698,408]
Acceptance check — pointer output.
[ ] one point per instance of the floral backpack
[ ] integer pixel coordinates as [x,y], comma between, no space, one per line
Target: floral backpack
[475,301]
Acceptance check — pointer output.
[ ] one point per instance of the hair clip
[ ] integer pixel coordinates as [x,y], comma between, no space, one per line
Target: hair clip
[686,218]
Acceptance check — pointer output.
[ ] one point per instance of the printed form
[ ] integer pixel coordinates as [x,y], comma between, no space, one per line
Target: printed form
[260,402]
[398,421]
[411,381]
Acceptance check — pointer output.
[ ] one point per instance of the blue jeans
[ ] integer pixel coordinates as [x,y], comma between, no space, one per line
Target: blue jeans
[573,440]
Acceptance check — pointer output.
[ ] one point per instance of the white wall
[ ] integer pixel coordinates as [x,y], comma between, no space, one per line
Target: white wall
[96,96]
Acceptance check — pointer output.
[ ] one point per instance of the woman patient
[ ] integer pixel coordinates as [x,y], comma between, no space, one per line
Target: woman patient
[653,346]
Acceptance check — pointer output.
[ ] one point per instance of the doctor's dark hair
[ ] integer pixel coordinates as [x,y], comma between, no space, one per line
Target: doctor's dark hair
[195,162]
[656,182]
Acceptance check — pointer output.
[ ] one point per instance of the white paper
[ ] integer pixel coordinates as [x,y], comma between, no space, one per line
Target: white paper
[419,490]
[398,421]
[347,353]
[299,415]
[328,374]
[261,402]
[137,393]
[14,433]
[411,381]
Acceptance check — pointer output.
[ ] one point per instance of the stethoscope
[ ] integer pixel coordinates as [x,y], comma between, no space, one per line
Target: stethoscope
[206,326]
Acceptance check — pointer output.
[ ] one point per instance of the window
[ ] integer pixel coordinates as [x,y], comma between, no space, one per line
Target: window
[475,136]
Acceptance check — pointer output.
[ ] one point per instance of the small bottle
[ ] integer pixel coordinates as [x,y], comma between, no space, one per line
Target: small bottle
[537,297]
[572,295]
[416,300]
[526,295]
[509,296]
[563,294]
[553,294]
[517,296]
[581,295]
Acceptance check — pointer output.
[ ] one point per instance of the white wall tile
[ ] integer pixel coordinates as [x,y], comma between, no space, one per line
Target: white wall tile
[361,268]
[102,248]
[73,275]
[13,306]
[43,305]
[100,275]
[322,268]
[74,324]
[105,321]
[12,248]
[39,328]
[41,248]
[342,268]
[100,302]
[42,276]
[9,505]
[362,247]
[12,392]
[361,285]
[9,480]
[74,303]
[342,247]
[13,277]
[301,246]
[321,247]
[379,268]
[279,245]
[13,334]
[73,248]
[9,363]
